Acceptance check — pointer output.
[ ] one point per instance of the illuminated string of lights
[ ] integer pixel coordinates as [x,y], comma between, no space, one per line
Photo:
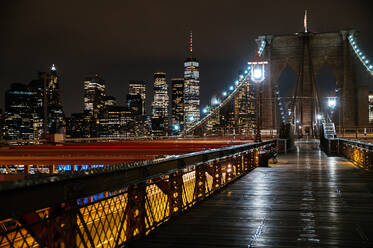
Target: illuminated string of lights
[227,95]
[281,106]
[364,60]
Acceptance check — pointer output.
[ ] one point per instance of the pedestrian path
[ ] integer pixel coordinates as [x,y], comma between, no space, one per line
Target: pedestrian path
[305,200]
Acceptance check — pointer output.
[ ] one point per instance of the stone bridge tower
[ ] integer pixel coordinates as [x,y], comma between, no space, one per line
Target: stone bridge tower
[306,53]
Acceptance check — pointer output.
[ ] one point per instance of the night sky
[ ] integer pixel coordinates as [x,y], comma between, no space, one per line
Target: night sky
[123,40]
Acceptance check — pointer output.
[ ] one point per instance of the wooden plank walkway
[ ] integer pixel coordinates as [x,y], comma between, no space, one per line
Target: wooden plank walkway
[306,200]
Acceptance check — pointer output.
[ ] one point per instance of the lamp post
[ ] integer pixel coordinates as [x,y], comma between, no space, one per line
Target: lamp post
[257,67]
[319,118]
[332,103]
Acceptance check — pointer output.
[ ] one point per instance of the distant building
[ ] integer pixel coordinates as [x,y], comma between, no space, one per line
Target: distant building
[26,116]
[138,88]
[135,103]
[21,113]
[95,102]
[110,101]
[370,98]
[244,110]
[76,126]
[160,105]
[177,105]
[55,115]
[94,95]
[235,118]
[37,86]
[116,121]
[191,89]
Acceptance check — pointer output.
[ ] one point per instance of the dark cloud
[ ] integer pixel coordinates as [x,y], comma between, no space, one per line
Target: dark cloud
[123,40]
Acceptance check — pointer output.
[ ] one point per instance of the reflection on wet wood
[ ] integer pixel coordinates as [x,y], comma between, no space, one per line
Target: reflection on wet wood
[306,200]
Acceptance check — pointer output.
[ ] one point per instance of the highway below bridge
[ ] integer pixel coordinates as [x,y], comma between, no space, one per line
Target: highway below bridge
[17,162]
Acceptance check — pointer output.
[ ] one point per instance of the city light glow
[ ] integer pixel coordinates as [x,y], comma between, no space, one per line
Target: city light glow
[176,127]
[205,110]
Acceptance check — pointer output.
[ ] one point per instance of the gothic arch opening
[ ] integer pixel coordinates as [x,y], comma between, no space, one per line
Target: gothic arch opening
[286,86]
[287,82]
[326,84]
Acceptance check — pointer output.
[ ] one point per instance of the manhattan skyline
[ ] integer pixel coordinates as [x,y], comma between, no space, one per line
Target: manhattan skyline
[132,41]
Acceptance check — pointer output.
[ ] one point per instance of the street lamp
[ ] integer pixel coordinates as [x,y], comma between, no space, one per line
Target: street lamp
[332,103]
[215,101]
[257,67]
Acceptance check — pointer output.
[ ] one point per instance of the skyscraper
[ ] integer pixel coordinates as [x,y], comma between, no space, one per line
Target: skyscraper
[94,103]
[138,88]
[135,103]
[237,117]
[244,110]
[110,101]
[20,111]
[177,104]
[191,89]
[94,95]
[34,109]
[116,121]
[160,105]
[55,115]
[75,126]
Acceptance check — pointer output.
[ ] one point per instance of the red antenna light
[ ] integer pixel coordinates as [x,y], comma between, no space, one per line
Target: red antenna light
[191,43]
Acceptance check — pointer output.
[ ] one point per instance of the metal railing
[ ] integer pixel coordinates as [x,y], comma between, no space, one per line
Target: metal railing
[110,206]
[359,153]
[355,132]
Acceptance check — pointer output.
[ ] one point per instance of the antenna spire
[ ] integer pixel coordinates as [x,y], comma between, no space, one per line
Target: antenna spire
[305,22]
[191,43]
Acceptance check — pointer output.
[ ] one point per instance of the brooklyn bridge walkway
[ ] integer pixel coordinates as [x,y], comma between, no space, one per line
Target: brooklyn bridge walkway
[305,200]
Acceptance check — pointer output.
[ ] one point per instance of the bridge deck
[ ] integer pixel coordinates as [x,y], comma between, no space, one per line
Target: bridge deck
[306,200]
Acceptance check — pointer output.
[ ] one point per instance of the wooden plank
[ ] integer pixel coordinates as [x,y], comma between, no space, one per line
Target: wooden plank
[306,200]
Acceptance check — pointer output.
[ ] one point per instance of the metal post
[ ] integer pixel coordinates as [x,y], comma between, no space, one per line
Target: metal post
[258,137]
[175,192]
[51,169]
[217,175]
[135,210]
[356,132]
